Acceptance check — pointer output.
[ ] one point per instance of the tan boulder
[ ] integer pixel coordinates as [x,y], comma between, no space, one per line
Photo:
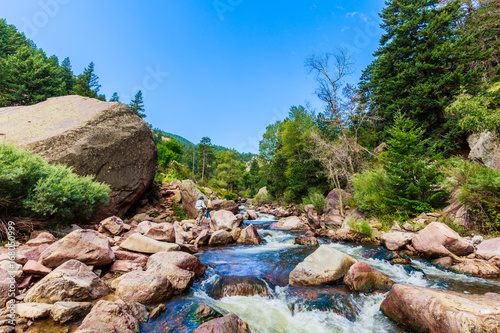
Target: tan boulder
[144,287]
[139,243]
[72,281]
[439,240]
[363,278]
[33,310]
[249,236]
[441,311]
[223,220]
[12,267]
[87,246]
[395,241]
[475,267]
[44,237]
[180,259]
[189,195]
[324,266]
[181,279]
[93,137]
[230,323]
[489,249]
[118,317]
[112,224]
[63,312]
[291,223]
[252,215]
[161,232]
[221,237]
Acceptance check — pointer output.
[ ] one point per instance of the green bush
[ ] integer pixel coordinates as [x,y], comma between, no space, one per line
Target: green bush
[34,188]
[479,191]
[362,226]
[230,196]
[262,199]
[315,198]
[369,191]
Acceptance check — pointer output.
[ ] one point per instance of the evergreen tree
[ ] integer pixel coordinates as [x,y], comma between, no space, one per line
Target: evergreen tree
[229,169]
[411,169]
[68,78]
[206,156]
[421,63]
[87,83]
[137,105]
[114,97]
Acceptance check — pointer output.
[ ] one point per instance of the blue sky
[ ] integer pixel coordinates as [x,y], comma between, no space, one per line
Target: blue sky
[224,69]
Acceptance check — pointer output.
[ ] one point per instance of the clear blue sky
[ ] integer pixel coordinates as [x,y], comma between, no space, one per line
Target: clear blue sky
[224,69]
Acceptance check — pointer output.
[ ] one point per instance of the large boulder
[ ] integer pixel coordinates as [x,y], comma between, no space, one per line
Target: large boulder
[143,287]
[364,278]
[485,148]
[223,220]
[324,266]
[87,246]
[118,317]
[252,215]
[161,232]
[181,279]
[334,197]
[72,281]
[229,285]
[291,223]
[139,243]
[311,214]
[221,237]
[103,139]
[394,241]
[180,259]
[439,240]
[489,249]
[249,236]
[434,310]
[189,195]
[475,267]
[230,323]
[62,312]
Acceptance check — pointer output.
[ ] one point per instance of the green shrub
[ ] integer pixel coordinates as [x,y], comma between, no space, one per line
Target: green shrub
[479,191]
[369,191]
[37,189]
[262,199]
[315,198]
[362,226]
[179,212]
[230,196]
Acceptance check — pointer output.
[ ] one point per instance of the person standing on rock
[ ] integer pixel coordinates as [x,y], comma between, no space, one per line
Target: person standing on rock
[200,208]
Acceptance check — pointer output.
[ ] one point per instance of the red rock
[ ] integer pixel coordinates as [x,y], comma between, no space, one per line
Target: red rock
[125,266]
[35,268]
[180,259]
[230,323]
[364,278]
[34,254]
[395,241]
[19,258]
[439,240]
[249,236]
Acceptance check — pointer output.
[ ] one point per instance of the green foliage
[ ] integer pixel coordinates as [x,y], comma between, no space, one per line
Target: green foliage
[230,196]
[174,171]
[137,105]
[168,151]
[369,191]
[411,170]
[229,169]
[478,113]
[205,153]
[179,212]
[479,191]
[36,189]
[362,226]
[114,97]
[317,199]
[422,62]
[87,83]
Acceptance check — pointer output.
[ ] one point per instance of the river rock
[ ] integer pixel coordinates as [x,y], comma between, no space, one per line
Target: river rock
[324,266]
[113,224]
[44,237]
[162,232]
[72,281]
[348,235]
[144,226]
[135,257]
[33,310]
[5,284]
[34,253]
[291,223]
[189,194]
[439,240]
[229,285]
[252,215]
[180,259]
[489,249]
[331,216]
[13,268]
[228,205]
[363,278]
[475,267]
[230,323]
[308,239]
[181,279]
[311,214]
[223,220]
[125,266]
[249,236]
[203,237]
[63,312]
[395,241]
[33,267]
[143,287]
[434,310]
[118,317]
[443,263]
[87,246]
[221,237]
[139,243]
[200,313]
[93,137]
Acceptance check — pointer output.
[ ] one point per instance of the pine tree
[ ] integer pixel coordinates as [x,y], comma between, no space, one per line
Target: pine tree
[420,64]
[68,78]
[137,105]
[114,97]
[205,152]
[411,169]
[87,83]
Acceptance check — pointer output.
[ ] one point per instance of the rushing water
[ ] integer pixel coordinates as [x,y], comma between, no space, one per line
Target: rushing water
[302,309]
